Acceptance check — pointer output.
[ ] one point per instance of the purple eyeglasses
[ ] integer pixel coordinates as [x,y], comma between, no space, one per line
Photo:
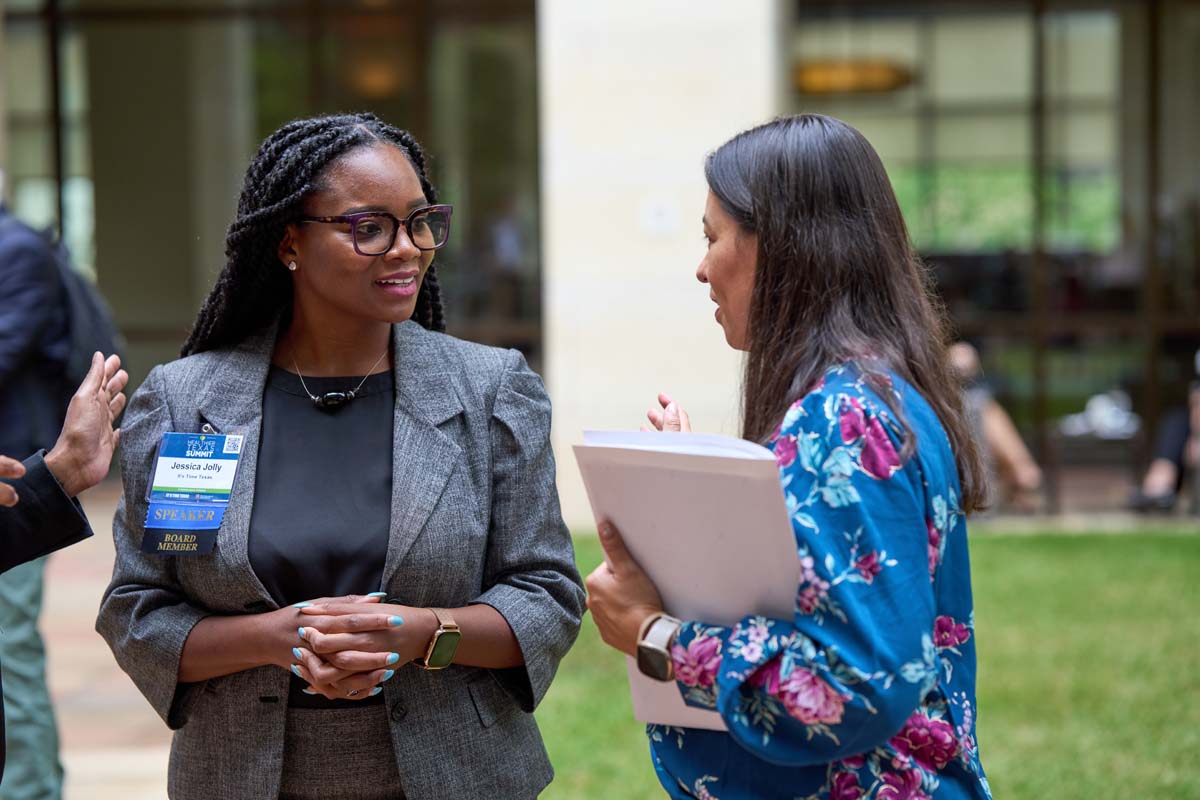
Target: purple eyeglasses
[374,232]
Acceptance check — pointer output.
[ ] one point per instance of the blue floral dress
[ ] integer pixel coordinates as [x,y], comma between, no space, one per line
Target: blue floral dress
[868,692]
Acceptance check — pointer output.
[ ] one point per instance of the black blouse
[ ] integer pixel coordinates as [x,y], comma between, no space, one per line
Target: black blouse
[322,493]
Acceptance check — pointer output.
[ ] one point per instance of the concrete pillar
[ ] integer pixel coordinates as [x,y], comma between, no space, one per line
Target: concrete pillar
[631,100]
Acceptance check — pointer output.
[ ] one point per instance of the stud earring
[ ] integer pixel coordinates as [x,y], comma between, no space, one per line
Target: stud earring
[292,266]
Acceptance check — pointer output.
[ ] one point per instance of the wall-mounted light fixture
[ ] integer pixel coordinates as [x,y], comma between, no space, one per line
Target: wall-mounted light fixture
[850,76]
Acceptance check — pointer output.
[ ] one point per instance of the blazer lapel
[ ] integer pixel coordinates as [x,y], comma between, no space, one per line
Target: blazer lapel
[232,404]
[423,457]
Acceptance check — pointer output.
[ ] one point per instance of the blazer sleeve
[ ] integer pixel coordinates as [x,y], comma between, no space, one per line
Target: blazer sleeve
[530,575]
[44,519]
[144,615]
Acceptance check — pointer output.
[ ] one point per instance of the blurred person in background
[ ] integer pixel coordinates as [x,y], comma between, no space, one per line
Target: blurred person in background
[1000,445]
[868,690]
[39,512]
[402,475]
[35,344]
[1176,454]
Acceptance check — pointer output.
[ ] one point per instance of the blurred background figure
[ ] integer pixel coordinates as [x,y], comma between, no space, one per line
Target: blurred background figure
[1176,455]
[1017,477]
[34,347]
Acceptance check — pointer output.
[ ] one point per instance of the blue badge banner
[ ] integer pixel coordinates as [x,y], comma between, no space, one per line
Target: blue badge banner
[185,517]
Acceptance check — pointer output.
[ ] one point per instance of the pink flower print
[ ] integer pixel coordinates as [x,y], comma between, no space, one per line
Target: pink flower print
[868,566]
[785,451]
[929,742]
[809,599]
[758,633]
[844,786]
[854,762]
[935,544]
[813,590]
[852,420]
[766,676]
[810,699]
[698,664]
[904,785]
[948,632]
[751,651]
[879,457]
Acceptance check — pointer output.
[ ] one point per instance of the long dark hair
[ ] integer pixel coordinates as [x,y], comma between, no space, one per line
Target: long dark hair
[837,279]
[254,287]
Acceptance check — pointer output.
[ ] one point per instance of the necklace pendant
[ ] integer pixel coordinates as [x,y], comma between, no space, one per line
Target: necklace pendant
[332,400]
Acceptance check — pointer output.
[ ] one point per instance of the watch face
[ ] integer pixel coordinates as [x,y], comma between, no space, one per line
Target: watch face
[443,649]
[654,663]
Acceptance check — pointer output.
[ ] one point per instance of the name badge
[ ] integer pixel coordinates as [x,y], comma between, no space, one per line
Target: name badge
[189,492]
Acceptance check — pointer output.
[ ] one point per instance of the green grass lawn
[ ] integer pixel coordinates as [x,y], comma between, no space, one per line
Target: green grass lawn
[1088,676]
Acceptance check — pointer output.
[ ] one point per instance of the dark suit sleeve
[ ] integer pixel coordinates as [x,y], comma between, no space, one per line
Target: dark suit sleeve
[43,520]
[28,295]
[530,575]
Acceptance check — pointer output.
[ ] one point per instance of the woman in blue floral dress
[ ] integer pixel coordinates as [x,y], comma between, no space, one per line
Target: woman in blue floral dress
[868,691]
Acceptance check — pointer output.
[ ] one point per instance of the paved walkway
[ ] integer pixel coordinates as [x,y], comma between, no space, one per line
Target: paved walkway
[114,746]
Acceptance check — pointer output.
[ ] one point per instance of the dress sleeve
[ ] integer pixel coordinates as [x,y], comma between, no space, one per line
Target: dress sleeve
[530,575]
[842,675]
[144,615]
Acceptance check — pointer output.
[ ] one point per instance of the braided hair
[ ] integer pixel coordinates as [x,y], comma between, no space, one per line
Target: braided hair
[254,286]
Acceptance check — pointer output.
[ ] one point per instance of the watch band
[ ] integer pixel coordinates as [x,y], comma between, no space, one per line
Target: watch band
[445,621]
[654,646]
[446,627]
[659,630]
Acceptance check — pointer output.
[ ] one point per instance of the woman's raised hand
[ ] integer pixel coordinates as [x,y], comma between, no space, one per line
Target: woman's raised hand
[668,416]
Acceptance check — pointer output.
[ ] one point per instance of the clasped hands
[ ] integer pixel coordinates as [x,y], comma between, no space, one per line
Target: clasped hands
[346,647]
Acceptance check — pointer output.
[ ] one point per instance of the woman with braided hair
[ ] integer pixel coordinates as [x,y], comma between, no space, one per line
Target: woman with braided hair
[401,477]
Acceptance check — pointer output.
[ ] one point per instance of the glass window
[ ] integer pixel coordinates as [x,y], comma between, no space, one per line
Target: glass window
[162,109]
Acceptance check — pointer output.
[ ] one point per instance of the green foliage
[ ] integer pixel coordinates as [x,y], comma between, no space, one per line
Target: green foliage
[989,207]
[1087,679]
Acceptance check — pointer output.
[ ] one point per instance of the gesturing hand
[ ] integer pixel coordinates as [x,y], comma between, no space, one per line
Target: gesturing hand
[620,595]
[9,468]
[80,457]
[668,417]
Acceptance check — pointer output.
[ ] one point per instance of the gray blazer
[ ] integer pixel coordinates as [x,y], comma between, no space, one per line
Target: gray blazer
[475,519]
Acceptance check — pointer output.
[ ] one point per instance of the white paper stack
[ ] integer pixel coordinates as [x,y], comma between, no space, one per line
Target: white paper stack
[705,517]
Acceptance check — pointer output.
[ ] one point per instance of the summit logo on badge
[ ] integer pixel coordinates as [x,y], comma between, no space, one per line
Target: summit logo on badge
[200,447]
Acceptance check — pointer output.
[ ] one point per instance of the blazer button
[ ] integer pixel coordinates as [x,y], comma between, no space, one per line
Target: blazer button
[399,712]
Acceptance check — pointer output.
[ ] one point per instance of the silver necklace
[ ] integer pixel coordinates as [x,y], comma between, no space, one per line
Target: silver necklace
[332,400]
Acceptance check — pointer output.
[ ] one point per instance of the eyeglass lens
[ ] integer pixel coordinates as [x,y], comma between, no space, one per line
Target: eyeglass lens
[428,229]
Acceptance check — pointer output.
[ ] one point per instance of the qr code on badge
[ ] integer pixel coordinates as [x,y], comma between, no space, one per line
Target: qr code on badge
[233,444]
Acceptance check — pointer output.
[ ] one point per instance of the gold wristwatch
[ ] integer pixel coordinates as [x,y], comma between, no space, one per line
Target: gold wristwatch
[444,642]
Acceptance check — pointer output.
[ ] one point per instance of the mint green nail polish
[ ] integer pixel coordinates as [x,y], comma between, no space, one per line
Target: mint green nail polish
[296,653]
[296,671]
[377,594]
[305,604]
[393,658]
[387,676]
[395,620]
[301,632]
[375,691]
